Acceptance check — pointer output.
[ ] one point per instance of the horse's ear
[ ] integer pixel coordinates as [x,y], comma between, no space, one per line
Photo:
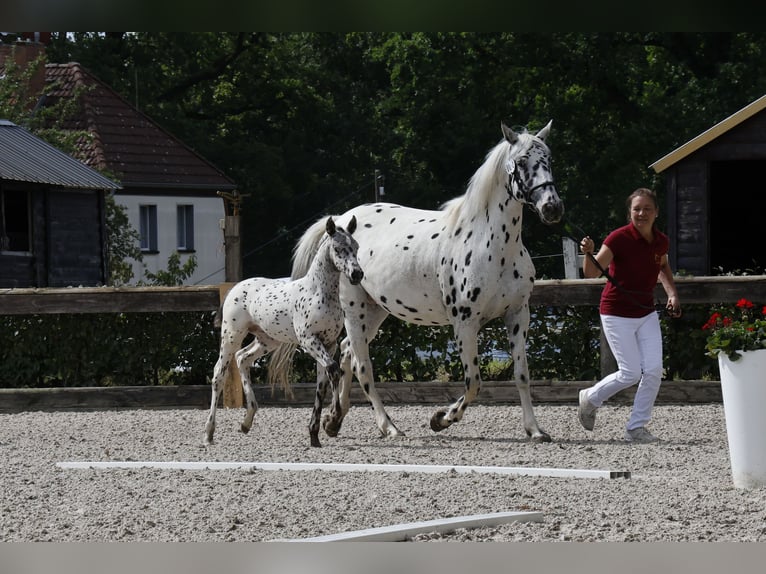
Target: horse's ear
[352,226]
[330,227]
[510,136]
[543,133]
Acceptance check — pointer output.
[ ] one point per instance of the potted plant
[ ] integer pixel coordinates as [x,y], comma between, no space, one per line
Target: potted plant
[737,338]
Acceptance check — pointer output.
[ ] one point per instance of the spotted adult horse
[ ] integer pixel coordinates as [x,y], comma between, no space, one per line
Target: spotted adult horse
[305,312]
[462,265]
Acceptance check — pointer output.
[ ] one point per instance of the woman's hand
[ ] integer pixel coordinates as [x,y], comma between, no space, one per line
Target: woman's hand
[673,306]
[587,245]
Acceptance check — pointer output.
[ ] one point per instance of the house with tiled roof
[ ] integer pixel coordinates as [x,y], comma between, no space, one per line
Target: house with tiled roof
[171,193]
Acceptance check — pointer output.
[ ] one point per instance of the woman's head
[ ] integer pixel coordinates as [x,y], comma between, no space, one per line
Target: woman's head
[642,208]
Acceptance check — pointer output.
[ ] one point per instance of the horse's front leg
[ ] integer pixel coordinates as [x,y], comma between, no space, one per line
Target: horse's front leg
[517,324]
[362,324]
[341,395]
[466,337]
[327,370]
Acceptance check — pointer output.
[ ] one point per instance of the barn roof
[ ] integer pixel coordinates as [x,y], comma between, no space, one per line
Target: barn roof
[26,158]
[127,143]
[707,136]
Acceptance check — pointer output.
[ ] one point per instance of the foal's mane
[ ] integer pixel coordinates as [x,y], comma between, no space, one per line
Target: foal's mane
[487,177]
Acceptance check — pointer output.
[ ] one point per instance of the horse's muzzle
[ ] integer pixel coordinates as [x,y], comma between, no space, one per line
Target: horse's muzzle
[551,212]
[356,276]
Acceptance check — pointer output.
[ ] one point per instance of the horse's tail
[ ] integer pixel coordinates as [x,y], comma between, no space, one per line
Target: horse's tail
[281,359]
[280,368]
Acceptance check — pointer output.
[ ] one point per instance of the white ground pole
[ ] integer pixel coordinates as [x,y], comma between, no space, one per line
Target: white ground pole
[347,467]
[401,532]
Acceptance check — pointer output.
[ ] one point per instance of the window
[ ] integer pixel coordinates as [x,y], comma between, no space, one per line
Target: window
[15,221]
[186,228]
[148,227]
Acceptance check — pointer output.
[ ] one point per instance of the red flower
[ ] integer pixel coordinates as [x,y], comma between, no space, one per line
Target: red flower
[744,304]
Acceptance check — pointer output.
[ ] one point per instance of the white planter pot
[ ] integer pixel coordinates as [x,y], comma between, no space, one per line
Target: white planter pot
[743,387]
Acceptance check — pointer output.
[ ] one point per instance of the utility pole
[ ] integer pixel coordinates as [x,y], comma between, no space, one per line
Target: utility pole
[378,184]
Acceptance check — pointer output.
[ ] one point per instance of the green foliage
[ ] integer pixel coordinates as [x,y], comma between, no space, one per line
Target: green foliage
[301,120]
[122,243]
[175,274]
[181,348]
[107,349]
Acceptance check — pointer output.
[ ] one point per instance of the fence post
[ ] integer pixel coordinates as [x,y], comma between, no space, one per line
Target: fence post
[233,395]
[572,261]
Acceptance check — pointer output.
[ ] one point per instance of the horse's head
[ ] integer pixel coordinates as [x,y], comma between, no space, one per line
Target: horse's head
[343,250]
[530,179]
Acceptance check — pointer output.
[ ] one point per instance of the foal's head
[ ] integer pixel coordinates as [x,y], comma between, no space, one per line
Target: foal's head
[343,250]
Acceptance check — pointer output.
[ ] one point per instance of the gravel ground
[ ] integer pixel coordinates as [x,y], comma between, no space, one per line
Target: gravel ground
[680,489]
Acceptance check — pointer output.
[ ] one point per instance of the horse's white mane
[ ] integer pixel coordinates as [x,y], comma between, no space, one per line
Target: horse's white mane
[487,177]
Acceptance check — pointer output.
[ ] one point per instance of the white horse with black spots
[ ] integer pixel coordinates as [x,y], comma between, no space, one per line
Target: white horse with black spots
[305,312]
[462,265]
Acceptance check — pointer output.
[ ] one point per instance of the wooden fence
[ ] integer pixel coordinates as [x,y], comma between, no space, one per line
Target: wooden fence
[554,292]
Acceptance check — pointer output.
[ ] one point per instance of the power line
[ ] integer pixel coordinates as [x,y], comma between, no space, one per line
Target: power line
[279,236]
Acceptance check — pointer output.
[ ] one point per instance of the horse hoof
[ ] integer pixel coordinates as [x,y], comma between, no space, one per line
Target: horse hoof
[315,441]
[436,421]
[332,428]
[244,429]
[541,437]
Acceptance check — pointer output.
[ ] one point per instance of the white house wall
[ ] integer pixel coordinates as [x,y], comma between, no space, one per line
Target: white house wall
[208,235]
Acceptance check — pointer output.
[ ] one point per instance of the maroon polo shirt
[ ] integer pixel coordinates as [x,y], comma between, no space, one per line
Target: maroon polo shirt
[635,266]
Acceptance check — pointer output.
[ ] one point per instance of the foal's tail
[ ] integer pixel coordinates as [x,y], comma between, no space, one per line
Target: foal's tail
[281,359]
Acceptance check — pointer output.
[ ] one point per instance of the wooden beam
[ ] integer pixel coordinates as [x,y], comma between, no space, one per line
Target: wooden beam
[34,301]
[346,467]
[554,292]
[417,393]
[403,532]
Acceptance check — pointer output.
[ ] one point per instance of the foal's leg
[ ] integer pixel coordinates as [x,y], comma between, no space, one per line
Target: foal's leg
[230,342]
[327,370]
[466,336]
[246,357]
[341,393]
[517,324]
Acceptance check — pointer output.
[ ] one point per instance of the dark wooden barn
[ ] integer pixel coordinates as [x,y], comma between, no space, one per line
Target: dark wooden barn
[715,196]
[52,215]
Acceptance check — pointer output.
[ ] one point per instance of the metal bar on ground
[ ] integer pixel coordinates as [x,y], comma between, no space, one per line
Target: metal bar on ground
[401,532]
[348,467]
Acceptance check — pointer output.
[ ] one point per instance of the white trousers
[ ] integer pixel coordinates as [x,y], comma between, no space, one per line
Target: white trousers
[637,347]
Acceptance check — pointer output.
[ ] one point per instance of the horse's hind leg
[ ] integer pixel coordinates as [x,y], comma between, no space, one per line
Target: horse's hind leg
[245,359]
[230,341]
[219,374]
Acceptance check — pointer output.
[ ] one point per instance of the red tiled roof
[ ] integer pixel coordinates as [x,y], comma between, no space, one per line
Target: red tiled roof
[127,143]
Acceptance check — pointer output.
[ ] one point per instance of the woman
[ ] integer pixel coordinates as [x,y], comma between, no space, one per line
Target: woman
[635,255]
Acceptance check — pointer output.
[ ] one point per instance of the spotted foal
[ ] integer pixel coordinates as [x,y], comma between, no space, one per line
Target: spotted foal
[305,313]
